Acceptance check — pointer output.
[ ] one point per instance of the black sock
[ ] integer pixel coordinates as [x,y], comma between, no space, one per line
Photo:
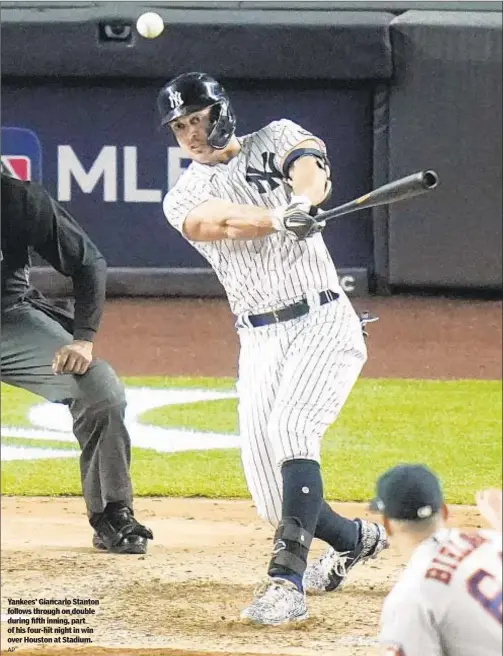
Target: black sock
[302,501]
[302,492]
[339,532]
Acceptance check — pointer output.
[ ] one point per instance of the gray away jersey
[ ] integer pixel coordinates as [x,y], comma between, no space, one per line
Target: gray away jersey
[260,274]
[448,600]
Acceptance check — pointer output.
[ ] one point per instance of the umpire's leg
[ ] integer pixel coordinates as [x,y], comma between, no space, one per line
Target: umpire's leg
[96,400]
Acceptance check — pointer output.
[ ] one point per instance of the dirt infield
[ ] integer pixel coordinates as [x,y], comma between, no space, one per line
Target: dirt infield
[184,597]
[414,338]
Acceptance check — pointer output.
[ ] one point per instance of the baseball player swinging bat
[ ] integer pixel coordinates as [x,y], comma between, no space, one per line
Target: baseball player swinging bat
[402,189]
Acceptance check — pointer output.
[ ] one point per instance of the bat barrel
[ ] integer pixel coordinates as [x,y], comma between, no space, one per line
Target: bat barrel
[397,190]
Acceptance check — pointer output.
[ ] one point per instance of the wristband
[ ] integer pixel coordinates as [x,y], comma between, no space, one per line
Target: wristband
[303,201]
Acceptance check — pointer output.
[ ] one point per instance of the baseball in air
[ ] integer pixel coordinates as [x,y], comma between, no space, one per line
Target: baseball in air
[150,25]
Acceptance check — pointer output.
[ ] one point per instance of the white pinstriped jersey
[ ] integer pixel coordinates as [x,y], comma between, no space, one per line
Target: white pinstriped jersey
[261,274]
[294,376]
[448,601]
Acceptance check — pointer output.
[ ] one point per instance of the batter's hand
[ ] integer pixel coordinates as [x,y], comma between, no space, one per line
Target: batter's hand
[73,358]
[298,218]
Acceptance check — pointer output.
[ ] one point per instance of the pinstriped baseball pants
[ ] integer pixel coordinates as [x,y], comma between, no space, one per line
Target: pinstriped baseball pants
[294,378]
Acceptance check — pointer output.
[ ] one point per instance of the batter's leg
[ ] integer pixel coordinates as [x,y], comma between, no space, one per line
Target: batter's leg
[302,501]
[339,532]
[318,376]
[257,385]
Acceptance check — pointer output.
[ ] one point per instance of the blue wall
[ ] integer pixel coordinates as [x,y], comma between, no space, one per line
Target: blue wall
[87,117]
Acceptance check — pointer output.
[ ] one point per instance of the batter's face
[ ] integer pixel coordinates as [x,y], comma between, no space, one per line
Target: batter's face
[191,132]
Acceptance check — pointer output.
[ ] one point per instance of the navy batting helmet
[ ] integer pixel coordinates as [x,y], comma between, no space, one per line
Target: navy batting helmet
[192,92]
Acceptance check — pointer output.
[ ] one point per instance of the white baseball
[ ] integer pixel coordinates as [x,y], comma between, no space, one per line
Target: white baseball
[150,25]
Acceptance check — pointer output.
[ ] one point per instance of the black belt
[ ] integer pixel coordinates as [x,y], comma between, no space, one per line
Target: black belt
[289,312]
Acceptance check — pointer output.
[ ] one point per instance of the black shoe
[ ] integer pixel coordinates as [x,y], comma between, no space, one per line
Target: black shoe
[117,531]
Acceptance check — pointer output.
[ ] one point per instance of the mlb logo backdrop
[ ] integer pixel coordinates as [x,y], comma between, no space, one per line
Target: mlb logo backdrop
[99,151]
[21,153]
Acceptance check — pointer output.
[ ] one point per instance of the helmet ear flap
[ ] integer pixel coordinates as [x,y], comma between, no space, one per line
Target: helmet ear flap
[222,124]
[215,113]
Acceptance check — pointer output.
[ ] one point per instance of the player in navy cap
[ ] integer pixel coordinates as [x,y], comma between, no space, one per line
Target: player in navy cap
[448,600]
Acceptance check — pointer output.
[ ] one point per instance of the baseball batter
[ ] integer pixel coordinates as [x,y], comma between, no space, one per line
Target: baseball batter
[248,205]
[448,601]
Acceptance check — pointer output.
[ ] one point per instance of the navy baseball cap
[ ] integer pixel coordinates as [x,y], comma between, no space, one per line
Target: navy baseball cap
[408,492]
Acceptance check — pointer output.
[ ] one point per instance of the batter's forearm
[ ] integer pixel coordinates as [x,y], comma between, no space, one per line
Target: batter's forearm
[218,219]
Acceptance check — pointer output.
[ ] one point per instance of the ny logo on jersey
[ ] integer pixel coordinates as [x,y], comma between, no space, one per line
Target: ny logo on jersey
[270,175]
[175,99]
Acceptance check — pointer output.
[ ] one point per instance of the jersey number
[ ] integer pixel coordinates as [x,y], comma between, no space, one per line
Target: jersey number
[492,603]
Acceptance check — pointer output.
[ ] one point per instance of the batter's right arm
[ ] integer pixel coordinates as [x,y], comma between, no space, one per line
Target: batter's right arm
[220,219]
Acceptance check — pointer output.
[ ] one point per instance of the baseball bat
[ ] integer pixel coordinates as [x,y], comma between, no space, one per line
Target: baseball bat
[402,189]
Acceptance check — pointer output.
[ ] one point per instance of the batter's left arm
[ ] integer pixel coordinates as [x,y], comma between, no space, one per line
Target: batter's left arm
[307,171]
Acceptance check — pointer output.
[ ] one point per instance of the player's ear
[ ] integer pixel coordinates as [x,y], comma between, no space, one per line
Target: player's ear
[444,512]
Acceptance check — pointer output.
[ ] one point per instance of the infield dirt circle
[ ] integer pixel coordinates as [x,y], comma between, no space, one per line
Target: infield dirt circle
[183,598]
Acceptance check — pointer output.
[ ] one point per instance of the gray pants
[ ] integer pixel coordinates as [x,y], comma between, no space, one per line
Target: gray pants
[96,401]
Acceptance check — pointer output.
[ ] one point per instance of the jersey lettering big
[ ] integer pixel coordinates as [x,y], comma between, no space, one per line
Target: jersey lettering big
[448,601]
[260,274]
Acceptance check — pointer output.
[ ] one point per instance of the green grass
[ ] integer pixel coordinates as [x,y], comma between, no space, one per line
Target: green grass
[454,427]
[15,405]
[222,383]
[47,444]
[16,402]
[216,416]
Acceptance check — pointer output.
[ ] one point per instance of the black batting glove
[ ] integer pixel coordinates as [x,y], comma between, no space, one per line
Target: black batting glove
[301,224]
[298,218]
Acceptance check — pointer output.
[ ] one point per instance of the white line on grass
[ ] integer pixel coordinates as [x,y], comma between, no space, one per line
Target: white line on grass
[53,422]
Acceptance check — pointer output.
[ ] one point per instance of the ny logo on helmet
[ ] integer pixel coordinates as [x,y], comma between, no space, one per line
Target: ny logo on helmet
[175,99]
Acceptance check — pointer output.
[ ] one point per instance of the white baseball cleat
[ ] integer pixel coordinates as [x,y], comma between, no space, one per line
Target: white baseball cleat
[329,572]
[277,601]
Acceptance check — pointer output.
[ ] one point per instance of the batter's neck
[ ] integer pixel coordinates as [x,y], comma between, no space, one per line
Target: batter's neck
[231,150]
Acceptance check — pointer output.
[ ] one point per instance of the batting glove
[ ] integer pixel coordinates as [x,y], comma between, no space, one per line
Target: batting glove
[298,218]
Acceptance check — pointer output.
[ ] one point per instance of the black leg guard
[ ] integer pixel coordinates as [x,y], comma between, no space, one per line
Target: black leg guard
[291,546]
